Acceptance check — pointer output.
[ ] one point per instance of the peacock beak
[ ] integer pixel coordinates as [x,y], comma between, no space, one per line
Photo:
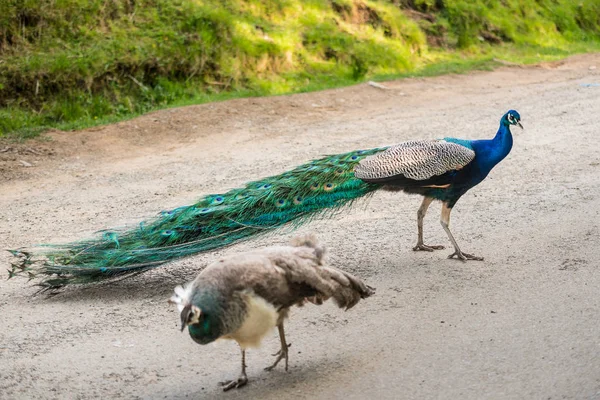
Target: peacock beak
[520,126]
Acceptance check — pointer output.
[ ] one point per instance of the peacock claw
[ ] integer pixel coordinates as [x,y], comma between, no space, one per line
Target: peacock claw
[464,256]
[281,354]
[241,381]
[424,247]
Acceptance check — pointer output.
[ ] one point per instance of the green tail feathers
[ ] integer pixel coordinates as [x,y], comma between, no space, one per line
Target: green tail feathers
[218,220]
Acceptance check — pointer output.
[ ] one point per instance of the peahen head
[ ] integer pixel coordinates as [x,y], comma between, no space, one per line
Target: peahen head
[190,315]
[512,117]
[199,311]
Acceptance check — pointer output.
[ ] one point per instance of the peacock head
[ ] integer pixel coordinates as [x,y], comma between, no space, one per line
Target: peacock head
[512,117]
[190,315]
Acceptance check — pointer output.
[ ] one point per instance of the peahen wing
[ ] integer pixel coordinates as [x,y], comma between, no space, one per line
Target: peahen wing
[424,161]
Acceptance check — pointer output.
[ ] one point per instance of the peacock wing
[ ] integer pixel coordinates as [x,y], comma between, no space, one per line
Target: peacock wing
[417,160]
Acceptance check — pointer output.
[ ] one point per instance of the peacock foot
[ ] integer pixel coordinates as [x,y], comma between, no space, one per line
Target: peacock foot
[424,247]
[464,256]
[241,381]
[281,354]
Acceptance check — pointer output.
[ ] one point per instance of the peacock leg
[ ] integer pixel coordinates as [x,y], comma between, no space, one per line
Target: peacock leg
[445,220]
[283,352]
[241,381]
[420,216]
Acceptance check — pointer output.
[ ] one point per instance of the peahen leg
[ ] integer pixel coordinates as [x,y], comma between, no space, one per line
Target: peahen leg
[445,220]
[283,352]
[241,381]
[420,216]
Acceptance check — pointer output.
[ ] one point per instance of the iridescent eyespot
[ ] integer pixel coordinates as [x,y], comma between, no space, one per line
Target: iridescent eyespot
[217,200]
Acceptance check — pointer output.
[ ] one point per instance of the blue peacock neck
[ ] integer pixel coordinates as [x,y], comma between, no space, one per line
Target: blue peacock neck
[491,151]
[502,142]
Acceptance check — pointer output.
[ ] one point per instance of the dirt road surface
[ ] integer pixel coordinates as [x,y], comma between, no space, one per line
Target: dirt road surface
[523,324]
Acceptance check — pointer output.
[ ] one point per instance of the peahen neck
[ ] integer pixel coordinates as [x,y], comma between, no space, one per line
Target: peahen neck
[213,308]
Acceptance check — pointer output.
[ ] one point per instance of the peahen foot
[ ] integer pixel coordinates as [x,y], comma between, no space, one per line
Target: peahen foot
[424,247]
[241,381]
[464,256]
[281,354]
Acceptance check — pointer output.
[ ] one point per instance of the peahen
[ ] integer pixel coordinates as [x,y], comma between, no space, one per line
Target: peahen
[245,296]
[443,170]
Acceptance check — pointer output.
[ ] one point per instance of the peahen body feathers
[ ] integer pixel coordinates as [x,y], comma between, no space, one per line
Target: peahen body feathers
[245,296]
[442,170]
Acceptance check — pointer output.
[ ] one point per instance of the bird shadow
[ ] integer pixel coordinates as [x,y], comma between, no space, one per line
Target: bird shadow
[152,284]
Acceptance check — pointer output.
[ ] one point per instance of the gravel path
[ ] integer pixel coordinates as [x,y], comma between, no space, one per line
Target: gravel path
[523,324]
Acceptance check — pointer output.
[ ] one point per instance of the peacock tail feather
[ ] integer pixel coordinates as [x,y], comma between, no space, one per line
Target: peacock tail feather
[292,198]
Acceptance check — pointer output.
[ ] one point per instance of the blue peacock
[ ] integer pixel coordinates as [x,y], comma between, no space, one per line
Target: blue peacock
[443,169]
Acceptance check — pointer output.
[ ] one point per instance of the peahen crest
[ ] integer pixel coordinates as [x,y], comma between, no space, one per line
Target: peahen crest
[294,197]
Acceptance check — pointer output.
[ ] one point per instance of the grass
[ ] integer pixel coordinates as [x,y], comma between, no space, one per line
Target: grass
[71,64]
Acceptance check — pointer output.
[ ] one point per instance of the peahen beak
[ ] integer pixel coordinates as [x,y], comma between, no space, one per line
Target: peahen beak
[519,123]
[184,320]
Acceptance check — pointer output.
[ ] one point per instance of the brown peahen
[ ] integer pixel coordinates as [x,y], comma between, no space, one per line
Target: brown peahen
[244,296]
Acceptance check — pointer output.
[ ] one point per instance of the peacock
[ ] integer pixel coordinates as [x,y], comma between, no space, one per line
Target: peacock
[441,169]
[245,296]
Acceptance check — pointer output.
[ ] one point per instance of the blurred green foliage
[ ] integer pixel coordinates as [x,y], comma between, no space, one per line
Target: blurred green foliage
[77,63]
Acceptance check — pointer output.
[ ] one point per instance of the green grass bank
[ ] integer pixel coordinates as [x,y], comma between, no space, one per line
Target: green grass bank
[70,64]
